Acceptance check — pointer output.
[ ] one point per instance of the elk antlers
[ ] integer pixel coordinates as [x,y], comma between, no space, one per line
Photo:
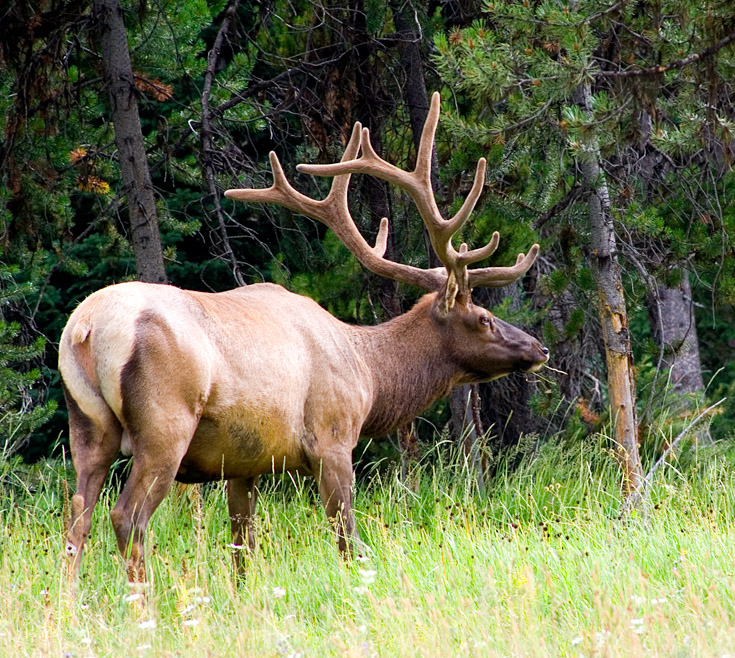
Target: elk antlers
[334,212]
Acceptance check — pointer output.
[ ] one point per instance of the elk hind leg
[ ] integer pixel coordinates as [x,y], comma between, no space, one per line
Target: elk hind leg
[94,443]
[156,460]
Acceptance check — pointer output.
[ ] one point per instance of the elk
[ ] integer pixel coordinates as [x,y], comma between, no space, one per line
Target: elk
[207,386]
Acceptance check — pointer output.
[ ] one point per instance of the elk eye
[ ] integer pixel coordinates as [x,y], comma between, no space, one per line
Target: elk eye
[486,321]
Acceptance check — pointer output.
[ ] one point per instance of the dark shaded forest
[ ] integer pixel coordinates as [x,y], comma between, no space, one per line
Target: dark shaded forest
[609,131]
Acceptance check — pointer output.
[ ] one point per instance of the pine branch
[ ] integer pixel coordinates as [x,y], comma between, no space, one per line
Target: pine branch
[664,68]
[569,198]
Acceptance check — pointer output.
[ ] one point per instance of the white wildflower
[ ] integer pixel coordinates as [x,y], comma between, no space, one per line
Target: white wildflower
[148,623]
[367,576]
[576,640]
[191,622]
[130,598]
[279,592]
[601,637]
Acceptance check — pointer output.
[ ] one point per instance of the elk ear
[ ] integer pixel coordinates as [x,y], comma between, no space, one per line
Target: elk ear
[447,295]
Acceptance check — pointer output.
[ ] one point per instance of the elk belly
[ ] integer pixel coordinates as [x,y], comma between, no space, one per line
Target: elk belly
[235,448]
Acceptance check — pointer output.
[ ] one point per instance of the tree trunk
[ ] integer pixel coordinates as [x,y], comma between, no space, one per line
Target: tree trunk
[146,239]
[611,308]
[206,158]
[464,403]
[670,310]
[674,329]
[416,99]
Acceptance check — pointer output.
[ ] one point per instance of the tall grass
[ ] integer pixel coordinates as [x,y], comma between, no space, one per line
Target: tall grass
[539,565]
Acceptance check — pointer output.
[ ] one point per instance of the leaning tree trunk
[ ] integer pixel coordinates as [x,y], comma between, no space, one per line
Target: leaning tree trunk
[146,239]
[611,307]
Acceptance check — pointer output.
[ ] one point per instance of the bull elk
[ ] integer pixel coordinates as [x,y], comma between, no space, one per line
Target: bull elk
[200,386]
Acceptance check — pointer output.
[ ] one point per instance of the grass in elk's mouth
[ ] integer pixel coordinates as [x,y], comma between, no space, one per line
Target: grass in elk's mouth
[538,566]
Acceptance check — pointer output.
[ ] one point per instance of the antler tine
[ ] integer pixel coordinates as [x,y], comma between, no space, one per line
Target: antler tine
[451,226]
[497,277]
[465,258]
[341,184]
[381,240]
[426,143]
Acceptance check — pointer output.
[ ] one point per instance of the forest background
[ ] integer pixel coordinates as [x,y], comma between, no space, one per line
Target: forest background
[609,130]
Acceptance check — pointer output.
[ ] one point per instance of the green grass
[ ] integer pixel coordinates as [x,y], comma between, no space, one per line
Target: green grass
[539,566]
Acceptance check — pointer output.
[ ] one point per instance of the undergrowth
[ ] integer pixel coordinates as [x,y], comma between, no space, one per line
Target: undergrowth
[540,564]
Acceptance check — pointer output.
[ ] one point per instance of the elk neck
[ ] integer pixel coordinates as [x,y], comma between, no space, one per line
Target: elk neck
[408,366]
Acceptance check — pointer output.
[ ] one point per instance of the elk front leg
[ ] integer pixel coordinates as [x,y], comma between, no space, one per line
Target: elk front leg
[242,499]
[334,475]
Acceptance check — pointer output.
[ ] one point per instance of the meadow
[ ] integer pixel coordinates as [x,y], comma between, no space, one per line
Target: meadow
[538,565]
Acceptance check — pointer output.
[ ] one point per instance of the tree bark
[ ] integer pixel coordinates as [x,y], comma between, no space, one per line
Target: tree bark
[611,307]
[146,239]
[416,98]
[206,158]
[674,329]
[464,403]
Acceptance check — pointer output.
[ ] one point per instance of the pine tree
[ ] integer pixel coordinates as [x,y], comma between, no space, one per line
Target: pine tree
[21,408]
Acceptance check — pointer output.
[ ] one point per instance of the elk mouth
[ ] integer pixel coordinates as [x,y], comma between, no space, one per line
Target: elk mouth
[528,366]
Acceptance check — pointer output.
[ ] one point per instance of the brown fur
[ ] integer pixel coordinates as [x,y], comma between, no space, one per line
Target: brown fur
[199,387]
